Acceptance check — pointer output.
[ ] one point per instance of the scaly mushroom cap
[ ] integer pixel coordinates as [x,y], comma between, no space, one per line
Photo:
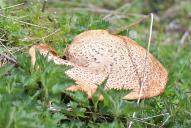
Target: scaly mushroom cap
[122,59]
[96,55]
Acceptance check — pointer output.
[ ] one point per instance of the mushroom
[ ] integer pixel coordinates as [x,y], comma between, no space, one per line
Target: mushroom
[97,54]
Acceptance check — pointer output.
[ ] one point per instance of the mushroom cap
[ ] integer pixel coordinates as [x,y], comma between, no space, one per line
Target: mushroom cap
[122,59]
[44,49]
[97,54]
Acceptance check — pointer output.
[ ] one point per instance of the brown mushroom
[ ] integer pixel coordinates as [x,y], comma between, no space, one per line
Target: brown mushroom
[96,54]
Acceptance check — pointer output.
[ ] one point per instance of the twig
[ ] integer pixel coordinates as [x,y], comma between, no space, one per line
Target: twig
[3,35]
[114,12]
[7,50]
[145,122]
[117,17]
[12,6]
[8,57]
[144,70]
[97,10]
[165,121]
[185,35]
[131,25]
[50,34]
[3,40]
[23,22]
[150,117]
[44,5]
[21,17]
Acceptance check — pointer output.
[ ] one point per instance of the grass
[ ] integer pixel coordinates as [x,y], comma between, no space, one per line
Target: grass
[34,96]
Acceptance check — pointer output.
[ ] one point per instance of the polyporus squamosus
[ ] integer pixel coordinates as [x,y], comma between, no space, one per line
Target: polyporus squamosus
[97,54]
